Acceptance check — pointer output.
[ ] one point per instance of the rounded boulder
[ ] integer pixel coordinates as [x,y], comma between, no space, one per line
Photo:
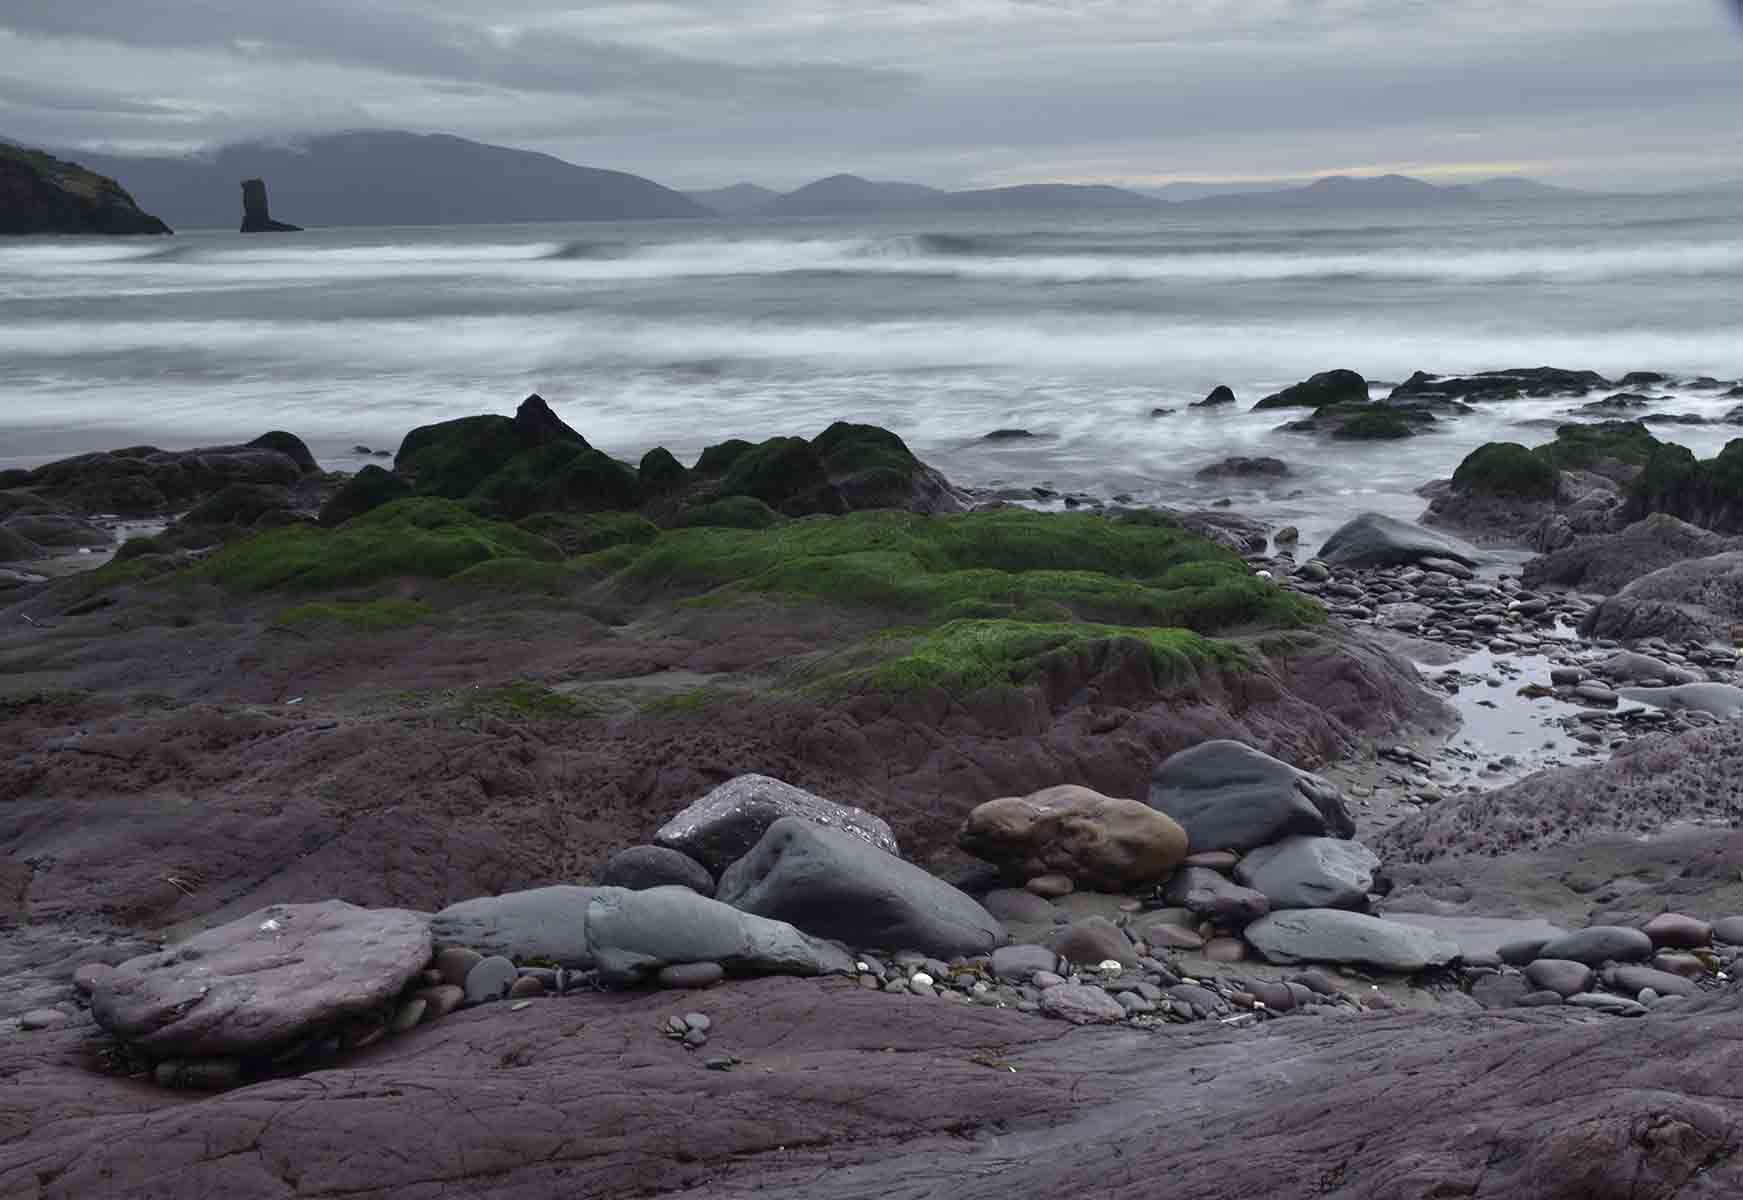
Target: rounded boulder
[1097,841]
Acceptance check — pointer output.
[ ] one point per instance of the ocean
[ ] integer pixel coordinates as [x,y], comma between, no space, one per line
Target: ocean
[944,328]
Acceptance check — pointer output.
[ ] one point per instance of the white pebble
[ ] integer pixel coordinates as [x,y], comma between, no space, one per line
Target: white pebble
[1109,966]
[920,977]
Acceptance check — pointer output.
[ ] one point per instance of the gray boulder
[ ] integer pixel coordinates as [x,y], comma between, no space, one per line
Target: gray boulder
[1635,979]
[1562,976]
[835,884]
[264,981]
[1335,936]
[1376,540]
[1601,944]
[1215,897]
[1310,872]
[548,923]
[1018,963]
[1700,599]
[642,867]
[1721,699]
[1629,666]
[1229,796]
[1081,1004]
[720,828]
[635,935]
[1608,563]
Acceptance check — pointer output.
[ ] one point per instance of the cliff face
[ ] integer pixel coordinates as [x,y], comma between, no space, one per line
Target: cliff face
[42,194]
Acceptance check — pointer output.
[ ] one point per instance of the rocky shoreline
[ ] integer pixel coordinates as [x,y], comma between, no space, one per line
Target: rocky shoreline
[567,740]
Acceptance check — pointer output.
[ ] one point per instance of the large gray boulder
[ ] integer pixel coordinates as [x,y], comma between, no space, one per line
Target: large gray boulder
[1334,936]
[263,982]
[1599,944]
[629,935]
[1376,540]
[1608,563]
[1310,872]
[1229,796]
[835,884]
[634,935]
[1700,599]
[548,924]
[642,867]
[720,828]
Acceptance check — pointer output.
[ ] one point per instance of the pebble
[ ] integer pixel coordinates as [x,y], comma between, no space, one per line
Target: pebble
[43,1018]
[692,975]
[455,963]
[1050,887]
[490,979]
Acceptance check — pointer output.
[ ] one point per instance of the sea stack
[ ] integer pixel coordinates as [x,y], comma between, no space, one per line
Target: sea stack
[255,217]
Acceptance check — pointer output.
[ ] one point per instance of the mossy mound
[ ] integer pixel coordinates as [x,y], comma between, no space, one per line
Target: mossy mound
[1145,572]
[588,533]
[1703,492]
[785,473]
[365,491]
[734,512]
[718,458]
[524,576]
[1507,469]
[367,616]
[422,537]
[970,656]
[661,472]
[1377,423]
[1581,447]
[1326,388]
[560,477]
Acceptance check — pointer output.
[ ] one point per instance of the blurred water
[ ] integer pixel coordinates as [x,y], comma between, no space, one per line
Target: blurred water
[942,328]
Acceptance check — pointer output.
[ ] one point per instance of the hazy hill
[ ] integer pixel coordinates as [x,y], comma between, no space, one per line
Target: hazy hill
[844,194]
[1045,197]
[1381,191]
[383,177]
[734,201]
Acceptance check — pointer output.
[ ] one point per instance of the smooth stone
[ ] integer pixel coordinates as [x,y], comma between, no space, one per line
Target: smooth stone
[1310,872]
[1019,906]
[1729,930]
[1543,999]
[1519,953]
[441,1000]
[641,867]
[526,987]
[1081,1004]
[1275,996]
[1101,842]
[1677,931]
[1094,940]
[1376,540]
[634,935]
[1634,979]
[836,884]
[722,826]
[1721,699]
[1020,963]
[1042,980]
[43,1018]
[90,976]
[1166,935]
[692,975]
[1214,860]
[1564,977]
[1688,966]
[1335,935]
[1487,937]
[1600,944]
[264,981]
[1225,950]
[547,924]
[455,963]
[1229,796]
[490,980]
[1604,1002]
[1317,982]
[1050,887]
[1215,897]
[1135,1004]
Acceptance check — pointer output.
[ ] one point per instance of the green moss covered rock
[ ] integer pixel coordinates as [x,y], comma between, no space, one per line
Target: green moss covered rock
[1328,387]
[734,512]
[365,491]
[452,458]
[1703,492]
[560,477]
[588,533]
[719,458]
[661,472]
[1375,423]
[289,445]
[1582,447]
[1506,469]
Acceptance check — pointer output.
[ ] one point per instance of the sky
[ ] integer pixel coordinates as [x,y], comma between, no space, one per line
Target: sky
[1639,94]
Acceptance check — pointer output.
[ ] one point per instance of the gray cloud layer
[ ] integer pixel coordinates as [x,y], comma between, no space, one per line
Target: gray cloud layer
[953,91]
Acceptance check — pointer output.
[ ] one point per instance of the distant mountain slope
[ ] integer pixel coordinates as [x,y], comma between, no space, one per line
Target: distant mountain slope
[736,200]
[1381,191]
[383,177]
[847,194]
[1047,197]
[43,194]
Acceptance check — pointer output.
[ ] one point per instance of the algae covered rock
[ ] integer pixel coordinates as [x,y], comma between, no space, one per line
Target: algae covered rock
[1506,469]
[1328,387]
[365,491]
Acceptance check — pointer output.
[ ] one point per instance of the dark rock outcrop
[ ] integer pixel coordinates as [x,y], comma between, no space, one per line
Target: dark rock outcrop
[729,821]
[144,481]
[365,491]
[642,867]
[1245,468]
[1220,396]
[1606,563]
[43,194]
[255,215]
[1698,599]
[1326,388]
[1500,385]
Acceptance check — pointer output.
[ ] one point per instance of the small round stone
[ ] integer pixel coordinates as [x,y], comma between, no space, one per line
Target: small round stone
[490,980]
[691,975]
[456,963]
[43,1018]
[696,1020]
[1051,887]
[527,986]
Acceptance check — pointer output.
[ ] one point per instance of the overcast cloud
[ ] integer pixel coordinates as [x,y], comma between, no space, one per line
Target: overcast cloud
[961,93]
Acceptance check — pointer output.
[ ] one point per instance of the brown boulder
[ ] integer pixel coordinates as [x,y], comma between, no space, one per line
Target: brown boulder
[1099,841]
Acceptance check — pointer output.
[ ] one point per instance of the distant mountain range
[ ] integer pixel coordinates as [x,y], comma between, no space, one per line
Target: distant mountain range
[385,177]
[388,178]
